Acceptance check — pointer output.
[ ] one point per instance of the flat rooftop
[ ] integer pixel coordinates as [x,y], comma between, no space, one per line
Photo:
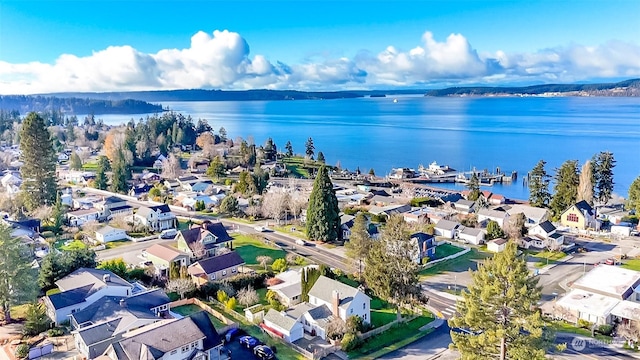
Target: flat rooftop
[609,280]
[588,302]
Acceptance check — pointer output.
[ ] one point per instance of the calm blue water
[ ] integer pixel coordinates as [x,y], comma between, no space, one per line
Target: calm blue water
[510,133]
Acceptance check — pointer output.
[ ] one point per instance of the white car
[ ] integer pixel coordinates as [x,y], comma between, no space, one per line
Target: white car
[301,242]
[260,228]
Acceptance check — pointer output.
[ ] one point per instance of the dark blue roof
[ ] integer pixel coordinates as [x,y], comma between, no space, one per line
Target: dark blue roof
[71,297]
[202,321]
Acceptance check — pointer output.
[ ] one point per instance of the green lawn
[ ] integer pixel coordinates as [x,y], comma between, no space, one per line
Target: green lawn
[299,231]
[382,312]
[444,250]
[249,248]
[631,264]
[74,245]
[544,258]
[562,326]
[184,224]
[390,337]
[116,244]
[186,310]
[459,264]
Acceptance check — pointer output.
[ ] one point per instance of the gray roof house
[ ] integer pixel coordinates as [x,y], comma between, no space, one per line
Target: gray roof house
[215,268]
[82,288]
[157,218]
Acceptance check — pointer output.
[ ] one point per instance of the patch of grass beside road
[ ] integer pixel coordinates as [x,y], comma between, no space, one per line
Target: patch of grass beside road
[459,264]
[631,264]
[249,248]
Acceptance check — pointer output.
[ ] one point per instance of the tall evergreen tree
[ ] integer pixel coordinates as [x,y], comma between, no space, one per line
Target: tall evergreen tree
[75,162]
[39,170]
[603,175]
[390,268]
[57,215]
[474,188]
[539,195]
[359,243]
[289,149]
[100,182]
[499,308]
[633,199]
[216,169]
[17,278]
[309,148]
[120,174]
[566,187]
[321,158]
[323,219]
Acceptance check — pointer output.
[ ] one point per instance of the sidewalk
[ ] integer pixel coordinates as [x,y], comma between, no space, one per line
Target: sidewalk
[443,294]
[616,346]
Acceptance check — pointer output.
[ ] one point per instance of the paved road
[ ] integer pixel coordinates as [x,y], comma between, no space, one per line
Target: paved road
[425,348]
[586,348]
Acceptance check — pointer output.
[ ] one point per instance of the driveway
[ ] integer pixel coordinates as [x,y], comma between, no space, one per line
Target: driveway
[433,344]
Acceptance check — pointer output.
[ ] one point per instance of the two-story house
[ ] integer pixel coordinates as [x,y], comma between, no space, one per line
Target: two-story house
[156,218]
[580,216]
[202,241]
[426,246]
[485,215]
[82,216]
[82,288]
[545,236]
[110,318]
[162,256]
[215,268]
[113,206]
[192,337]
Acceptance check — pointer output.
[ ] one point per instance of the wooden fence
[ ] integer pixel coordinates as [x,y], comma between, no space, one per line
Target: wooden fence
[193,301]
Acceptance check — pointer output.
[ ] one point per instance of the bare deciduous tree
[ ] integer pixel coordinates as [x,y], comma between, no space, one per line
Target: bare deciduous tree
[298,202]
[248,296]
[291,258]
[180,286]
[90,227]
[630,330]
[223,250]
[207,143]
[255,211]
[171,167]
[43,213]
[264,261]
[122,221]
[274,205]
[336,328]
[198,249]
[585,187]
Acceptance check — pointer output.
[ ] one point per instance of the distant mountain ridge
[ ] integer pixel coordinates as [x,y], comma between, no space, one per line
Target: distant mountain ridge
[75,105]
[623,88]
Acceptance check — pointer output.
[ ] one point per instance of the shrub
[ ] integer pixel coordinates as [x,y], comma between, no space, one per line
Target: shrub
[222,296]
[605,329]
[584,324]
[78,236]
[355,324]
[425,260]
[279,265]
[56,332]
[349,342]
[230,304]
[22,351]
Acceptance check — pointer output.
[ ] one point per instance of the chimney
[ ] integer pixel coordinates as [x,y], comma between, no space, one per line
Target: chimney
[335,303]
[106,278]
[123,303]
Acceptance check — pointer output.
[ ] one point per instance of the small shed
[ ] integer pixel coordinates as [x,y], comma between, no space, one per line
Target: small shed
[282,325]
[497,245]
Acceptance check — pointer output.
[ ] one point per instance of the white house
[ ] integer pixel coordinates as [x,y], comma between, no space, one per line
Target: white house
[282,325]
[533,215]
[82,288]
[497,245]
[501,217]
[341,299]
[11,183]
[446,228]
[157,218]
[464,206]
[471,235]
[108,233]
[544,235]
[80,217]
[289,288]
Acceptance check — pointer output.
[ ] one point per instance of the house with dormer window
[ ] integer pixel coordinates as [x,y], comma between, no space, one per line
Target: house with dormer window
[203,241]
[156,218]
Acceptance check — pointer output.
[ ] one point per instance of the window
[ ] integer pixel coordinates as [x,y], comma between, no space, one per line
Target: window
[351,311]
[185,348]
[572,218]
[224,272]
[364,306]
[173,352]
[233,270]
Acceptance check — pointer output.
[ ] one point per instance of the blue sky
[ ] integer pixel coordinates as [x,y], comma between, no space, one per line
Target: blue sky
[48,46]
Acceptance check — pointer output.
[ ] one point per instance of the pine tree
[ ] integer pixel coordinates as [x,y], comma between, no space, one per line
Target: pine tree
[585,186]
[499,309]
[390,268]
[309,148]
[323,219]
[494,230]
[603,175]
[359,243]
[100,182]
[566,187]
[321,157]
[289,149]
[17,278]
[120,174]
[216,169]
[474,188]
[39,185]
[75,162]
[633,199]
[539,195]
[58,216]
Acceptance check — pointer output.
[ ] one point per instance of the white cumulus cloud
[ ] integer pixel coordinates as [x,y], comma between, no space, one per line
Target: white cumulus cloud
[222,60]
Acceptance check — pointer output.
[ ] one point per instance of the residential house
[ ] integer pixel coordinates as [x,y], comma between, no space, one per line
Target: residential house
[82,216]
[470,235]
[464,207]
[113,206]
[63,157]
[425,245]
[162,256]
[547,234]
[87,202]
[613,214]
[402,173]
[215,268]
[199,187]
[156,218]
[497,245]
[446,228]
[485,215]
[580,304]
[78,177]
[109,319]
[109,233]
[496,199]
[82,288]
[203,240]
[282,325]
[192,337]
[390,209]
[11,182]
[288,287]
[418,215]
[187,181]
[346,223]
[611,281]
[140,190]
[336,299]
[150,177]
[622,229]
[533,215]
[579,216]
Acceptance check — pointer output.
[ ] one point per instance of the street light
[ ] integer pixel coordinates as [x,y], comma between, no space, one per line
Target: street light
[455,284]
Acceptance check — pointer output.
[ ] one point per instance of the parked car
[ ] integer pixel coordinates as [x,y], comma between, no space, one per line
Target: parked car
[610,261]
[249,341]
[233,333]
[260,228]
[263,352]
[168,234]
[301,242]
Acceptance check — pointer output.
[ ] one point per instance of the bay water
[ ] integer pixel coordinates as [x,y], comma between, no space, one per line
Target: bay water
[511,133]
